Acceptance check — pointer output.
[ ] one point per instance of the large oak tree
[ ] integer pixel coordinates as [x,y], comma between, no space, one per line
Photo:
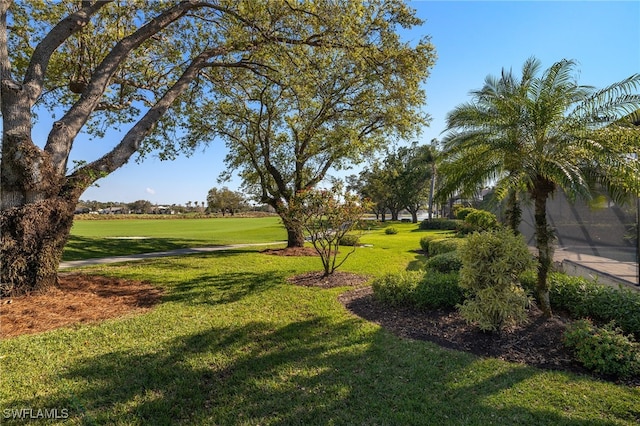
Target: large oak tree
[317,109]
[141,67]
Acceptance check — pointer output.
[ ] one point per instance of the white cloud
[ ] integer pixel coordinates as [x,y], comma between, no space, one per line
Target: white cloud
[151,191]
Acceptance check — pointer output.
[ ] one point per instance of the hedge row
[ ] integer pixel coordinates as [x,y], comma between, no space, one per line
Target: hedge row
[584,298]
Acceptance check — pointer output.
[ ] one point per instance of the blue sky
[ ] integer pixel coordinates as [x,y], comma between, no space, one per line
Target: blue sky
[473,39]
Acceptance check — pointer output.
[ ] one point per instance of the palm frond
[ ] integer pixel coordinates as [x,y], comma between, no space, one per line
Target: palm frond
[610,103]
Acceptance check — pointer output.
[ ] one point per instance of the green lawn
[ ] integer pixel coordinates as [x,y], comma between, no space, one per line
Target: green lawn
[233,343]
[100,238]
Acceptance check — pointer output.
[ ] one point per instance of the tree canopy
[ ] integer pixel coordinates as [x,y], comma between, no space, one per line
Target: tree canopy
[312,109]
[224,200]
[151,70]
[400,180]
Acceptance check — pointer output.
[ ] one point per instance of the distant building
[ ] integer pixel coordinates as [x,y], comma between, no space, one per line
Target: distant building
[113,210]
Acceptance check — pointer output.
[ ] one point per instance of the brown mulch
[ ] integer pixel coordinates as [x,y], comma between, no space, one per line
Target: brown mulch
[292,251]
[337,279]
[538,343]
[79,298]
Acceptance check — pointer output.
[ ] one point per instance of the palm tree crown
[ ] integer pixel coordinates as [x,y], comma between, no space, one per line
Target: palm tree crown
[540,133]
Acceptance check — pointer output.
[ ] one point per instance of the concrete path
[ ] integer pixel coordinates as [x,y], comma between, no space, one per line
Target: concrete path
[142,256]
[608,271]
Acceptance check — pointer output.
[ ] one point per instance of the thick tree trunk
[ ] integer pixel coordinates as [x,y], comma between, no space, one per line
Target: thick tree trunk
[544,243]
[295,233]
[32,239]
[295,236]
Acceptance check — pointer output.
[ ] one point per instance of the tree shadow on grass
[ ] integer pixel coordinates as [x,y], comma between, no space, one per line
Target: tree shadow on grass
[222,288]
[418,262]
[204,284]
[314,371]
[81,248]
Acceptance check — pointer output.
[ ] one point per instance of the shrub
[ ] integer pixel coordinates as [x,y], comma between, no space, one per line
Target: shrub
[396,289]
[424,241]
[494,308]
[391,231]
[482,220]
[582,297]
[605,350]
[431,289]
[438,290]
[492,263]
[464,228]
[445,262]
[445,245]
[349,240]
[464,212]
[442,224]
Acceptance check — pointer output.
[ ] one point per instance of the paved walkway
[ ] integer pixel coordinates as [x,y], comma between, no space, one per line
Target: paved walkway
[608,271]
[142,256]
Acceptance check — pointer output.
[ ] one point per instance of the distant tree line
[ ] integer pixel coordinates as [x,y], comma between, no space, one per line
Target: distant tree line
[219,200]
[403,180]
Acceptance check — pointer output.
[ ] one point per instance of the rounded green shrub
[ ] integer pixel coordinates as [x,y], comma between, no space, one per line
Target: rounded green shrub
[424,241]
[349,240]
[482,220]
[462,213]
[396,289]
[391,231]
[445,245]
[438,290]
[492,263]
[605,350]
[445,262]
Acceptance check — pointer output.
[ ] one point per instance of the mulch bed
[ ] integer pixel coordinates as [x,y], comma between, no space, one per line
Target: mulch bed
[538,343]
[79,298]
[337,279]
[291,251]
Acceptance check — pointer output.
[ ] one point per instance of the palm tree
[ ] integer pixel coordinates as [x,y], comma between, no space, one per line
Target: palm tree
[540,134]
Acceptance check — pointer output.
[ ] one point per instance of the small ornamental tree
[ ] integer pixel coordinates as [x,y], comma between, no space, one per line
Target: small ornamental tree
[326,217]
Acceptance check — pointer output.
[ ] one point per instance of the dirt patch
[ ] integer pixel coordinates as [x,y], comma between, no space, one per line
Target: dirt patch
[292,251]
[337,279]
[79,298]
[538,343]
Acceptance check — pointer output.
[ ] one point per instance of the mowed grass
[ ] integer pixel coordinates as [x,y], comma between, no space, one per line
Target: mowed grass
[101,238]
[232,343]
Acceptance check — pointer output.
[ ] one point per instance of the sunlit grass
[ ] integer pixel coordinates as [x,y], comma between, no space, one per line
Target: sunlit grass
[233,343]
[100,238]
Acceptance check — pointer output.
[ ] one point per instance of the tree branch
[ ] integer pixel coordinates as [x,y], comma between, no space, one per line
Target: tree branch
[66,129]
[34,76]
[121,154]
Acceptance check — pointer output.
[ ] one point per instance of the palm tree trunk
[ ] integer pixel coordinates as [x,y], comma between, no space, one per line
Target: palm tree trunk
[513,212]
[544,243]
